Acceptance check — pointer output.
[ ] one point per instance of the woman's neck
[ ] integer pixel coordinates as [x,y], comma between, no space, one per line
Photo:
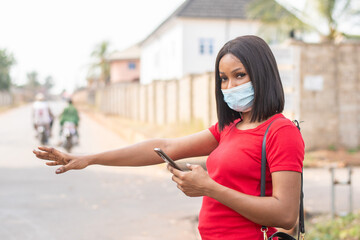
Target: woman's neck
[245,123]
[245,117]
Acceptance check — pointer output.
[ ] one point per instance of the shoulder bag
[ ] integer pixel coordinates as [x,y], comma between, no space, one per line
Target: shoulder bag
[301,227]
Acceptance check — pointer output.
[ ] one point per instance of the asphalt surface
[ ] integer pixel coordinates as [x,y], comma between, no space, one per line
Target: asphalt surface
[109,202]
[95,203]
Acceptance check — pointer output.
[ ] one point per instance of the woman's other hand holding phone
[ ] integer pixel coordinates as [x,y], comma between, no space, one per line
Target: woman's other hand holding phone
[194,183]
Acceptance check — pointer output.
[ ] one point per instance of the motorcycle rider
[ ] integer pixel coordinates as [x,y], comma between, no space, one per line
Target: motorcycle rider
[69,114]
[41,113]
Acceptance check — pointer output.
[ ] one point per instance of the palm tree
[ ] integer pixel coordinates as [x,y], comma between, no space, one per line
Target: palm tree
[334,12]
[101,65]
[32,80]
[49,83]
[6,61]
[273,15]
[329,13]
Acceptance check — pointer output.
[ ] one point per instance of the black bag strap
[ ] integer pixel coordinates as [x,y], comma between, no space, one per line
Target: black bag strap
[282,236]
[301,230]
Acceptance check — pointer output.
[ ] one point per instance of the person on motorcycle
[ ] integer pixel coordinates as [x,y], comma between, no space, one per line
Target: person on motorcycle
[70,114]
[41,113]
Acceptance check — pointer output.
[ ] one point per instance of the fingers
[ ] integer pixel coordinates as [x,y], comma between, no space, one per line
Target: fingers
[194,167]
[52,163]
[56,157]
[52,151]
[49,153]
[46,149]
[70,166]
[49,150]
[62,169]
[189,166]
[179,187]
[59,170]
[174,171]
[46,156]
[42,155]
[177,177]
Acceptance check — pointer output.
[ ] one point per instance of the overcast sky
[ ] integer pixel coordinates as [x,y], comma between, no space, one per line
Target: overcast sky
[56,38]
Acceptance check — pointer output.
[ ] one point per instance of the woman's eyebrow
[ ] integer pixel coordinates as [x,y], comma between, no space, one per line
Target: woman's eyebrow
[236,69]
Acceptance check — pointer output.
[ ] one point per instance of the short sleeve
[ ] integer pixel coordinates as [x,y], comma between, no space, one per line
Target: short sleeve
[214,129]
[285,149]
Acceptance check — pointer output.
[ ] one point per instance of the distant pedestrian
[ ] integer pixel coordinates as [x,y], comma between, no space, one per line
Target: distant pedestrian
[249,97]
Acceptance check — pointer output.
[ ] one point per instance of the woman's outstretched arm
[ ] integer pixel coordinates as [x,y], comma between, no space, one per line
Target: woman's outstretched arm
[140,154]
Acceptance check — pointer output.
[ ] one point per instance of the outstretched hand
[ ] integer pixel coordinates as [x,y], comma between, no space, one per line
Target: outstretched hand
[56,157]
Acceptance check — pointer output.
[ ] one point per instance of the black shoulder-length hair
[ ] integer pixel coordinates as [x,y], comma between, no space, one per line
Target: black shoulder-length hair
[259,62]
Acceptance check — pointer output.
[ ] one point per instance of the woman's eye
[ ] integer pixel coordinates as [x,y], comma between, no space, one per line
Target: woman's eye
[223,79]
[241,75]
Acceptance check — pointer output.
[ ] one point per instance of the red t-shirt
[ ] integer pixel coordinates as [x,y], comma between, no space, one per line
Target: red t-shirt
[236,164]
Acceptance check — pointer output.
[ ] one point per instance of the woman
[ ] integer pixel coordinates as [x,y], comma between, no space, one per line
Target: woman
[249,97]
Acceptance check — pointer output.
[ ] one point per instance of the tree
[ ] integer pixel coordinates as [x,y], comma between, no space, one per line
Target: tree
[275,16]
[6,61]
[32,81]
[49,82]
[328,12]
[101,65]
[334,13]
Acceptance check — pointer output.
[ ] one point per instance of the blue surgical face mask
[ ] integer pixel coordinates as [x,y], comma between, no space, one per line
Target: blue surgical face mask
[239,98]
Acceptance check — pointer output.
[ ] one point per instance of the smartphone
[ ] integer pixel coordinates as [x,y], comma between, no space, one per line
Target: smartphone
[166,158]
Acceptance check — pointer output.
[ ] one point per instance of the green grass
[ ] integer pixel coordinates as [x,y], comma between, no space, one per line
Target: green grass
[340,228]
[332,148]
[353,150]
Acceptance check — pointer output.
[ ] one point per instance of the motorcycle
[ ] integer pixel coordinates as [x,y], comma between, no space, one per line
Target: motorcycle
[69,136]
[42,133]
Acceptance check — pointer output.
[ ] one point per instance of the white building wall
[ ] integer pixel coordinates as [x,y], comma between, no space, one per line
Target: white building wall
[161,54]
[173,51]
[212,31]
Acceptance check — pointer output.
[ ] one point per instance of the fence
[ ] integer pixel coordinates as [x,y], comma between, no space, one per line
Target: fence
[161,102]
[6,99]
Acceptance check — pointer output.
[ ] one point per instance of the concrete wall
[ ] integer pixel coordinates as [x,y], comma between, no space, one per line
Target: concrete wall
[330,95]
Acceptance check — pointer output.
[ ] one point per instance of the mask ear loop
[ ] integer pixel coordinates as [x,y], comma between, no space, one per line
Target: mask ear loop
[241,116]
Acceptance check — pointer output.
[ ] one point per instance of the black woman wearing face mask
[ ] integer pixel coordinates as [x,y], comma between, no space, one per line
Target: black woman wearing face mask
[249,98]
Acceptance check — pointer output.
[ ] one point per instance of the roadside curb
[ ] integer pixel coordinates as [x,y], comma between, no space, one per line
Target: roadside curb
[128,134]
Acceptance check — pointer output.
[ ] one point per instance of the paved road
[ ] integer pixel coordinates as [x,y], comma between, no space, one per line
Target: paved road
[317,188]
[106,202]
[96,203]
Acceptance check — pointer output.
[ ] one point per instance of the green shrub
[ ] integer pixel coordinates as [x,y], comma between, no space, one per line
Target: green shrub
[341,228]
[332,148]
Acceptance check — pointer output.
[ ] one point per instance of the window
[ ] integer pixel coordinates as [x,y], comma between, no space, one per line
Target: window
[206,46]
[211,47]
[131,65]
[202,47]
